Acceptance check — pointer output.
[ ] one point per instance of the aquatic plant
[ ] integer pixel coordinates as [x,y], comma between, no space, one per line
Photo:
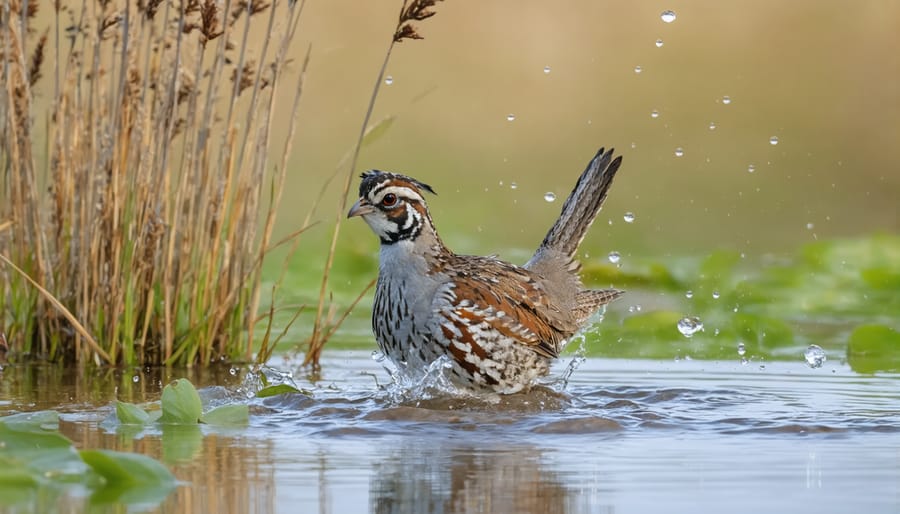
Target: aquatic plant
[138,194]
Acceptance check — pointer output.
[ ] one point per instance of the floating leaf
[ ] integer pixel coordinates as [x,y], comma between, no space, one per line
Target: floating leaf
[43,452]
[275,390]
[227,415]
[131,414]
[39,420]
[180,403]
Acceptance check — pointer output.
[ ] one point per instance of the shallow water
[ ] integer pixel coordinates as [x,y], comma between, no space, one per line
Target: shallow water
[625,436]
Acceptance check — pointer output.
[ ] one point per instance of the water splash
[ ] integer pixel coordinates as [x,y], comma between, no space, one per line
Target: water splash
[264,376]
[815,356]
[688,326]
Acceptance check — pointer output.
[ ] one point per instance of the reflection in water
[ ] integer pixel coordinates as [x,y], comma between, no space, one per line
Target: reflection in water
[422,478]
[218,473]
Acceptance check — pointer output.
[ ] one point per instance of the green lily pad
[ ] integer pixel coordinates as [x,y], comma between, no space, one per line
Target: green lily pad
[180,403]
[228,415]
[275,390]
[131,414]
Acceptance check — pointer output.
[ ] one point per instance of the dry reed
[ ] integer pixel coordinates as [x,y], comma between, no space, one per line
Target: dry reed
[131,202]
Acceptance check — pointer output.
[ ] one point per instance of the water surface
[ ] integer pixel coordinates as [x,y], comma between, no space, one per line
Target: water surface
[625,436]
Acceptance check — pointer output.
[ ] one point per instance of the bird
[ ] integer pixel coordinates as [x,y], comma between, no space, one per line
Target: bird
[496,325]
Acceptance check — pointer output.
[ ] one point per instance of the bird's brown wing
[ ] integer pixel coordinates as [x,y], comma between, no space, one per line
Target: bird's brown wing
[491,298]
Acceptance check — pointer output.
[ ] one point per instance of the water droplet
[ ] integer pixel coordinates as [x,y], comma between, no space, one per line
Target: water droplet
[546,69]
[679,152]
[233,371]
[388,80]
[726,100]
[751,168]
[668,16]
[628,217]
[741,349]
[810,226]
[614,257]
[773,140]
[638,69]
[815,356]
[510,117]
[689,294]
[136,379]
[513,185]
[654,114]
[549,196]
[688,326]
[715,295]
[659,43]
[712,125]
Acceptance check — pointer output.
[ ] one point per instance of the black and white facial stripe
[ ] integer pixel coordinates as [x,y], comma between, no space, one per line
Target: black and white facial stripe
[401,212]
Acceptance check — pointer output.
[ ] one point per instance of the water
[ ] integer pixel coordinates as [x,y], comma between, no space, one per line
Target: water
[625,436]
[815,356]
[668,16]
[689,326]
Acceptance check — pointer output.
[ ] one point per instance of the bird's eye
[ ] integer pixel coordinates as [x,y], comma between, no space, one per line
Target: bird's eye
[389,200]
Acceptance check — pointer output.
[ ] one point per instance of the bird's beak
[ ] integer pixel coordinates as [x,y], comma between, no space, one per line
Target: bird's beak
[360,208]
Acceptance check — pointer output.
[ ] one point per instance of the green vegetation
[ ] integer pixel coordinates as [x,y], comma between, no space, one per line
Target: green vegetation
[181,405]
[38,464]
[137,198]
[840,295]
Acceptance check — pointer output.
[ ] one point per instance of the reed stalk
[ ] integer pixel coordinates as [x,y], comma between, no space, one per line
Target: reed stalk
[132,226]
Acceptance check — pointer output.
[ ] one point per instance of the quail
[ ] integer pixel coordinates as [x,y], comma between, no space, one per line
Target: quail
[498,325]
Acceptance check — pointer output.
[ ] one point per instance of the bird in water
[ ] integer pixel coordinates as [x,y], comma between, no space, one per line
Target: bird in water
[498,325]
